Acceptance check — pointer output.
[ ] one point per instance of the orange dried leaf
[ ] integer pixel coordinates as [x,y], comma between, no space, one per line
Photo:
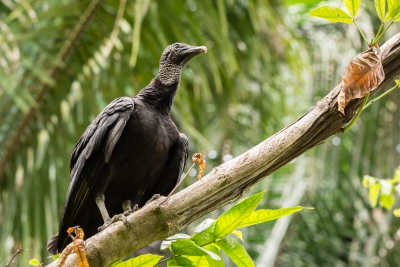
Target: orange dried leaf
[362,75]
[68,250]
[78,245]
[70,231]
[79,248]
[199,158]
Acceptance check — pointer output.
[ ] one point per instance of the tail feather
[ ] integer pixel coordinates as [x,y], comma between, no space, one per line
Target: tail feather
[52,245]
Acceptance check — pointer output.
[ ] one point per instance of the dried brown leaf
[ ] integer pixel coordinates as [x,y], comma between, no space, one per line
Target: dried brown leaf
[362,75]
[64,254]
[199,158]
[78,245]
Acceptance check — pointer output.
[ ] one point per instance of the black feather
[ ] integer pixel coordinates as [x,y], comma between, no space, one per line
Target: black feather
[132,150]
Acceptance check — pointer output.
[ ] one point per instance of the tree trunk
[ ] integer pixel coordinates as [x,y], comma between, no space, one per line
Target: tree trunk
[230,181]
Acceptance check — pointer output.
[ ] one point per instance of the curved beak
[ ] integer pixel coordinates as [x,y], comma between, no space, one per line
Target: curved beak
[191,51]
[194,50]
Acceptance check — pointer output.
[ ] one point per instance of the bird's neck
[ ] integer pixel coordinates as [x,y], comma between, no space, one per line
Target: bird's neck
[159,95]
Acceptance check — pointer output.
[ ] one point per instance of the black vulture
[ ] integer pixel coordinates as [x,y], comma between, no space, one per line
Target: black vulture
[131,151]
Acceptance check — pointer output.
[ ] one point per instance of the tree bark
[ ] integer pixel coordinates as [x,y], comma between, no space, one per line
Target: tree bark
[230,181]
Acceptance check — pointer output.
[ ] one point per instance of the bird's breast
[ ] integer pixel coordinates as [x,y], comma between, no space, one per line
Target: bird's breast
[141,154]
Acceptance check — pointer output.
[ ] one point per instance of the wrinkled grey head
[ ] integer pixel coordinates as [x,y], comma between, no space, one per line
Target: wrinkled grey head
[174,58]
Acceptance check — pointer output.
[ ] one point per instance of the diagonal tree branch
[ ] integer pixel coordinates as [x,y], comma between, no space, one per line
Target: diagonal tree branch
[230,181]
[54,71]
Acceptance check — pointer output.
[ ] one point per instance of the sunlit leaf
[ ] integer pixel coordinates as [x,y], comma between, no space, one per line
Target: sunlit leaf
[261,216]
[180,261]
[362,75]
[238,234]
[374,193]
[204,237]
[386,186]
[187,247]
[380,6]
[145,260]
[331,13]
[34,262]
[199,261]
[203,225]
[386,201]
[167,242]
[396,176]
[207,261]
[212,262]
[365,182]
[393,10]
[236,252]
[229,221]
[352,6]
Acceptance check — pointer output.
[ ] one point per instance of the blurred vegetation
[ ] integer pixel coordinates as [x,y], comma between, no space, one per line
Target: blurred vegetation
[267,64]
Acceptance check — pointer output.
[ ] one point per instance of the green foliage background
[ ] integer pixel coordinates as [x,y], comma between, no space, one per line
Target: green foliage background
[267,64]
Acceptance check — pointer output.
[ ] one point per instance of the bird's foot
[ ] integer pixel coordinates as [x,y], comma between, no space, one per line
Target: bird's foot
[115,218]
[155,197]
[130,211]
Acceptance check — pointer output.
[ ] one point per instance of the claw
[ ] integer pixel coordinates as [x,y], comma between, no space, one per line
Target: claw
[136,207]
[115,218]
[127,207]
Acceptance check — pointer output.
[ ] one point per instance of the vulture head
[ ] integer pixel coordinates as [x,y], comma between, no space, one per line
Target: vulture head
[174,58]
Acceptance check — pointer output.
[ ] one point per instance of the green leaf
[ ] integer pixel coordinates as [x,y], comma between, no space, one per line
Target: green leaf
[199,261]
[374,193]
[180,261]
[238,234]
[386,186]
[396,176]
[393,10]
[207,261]
[386,201]
[211,261]
[235,251]
[203,225]
[145,260]
[116,263]
[352,6]
[55,257]
[261,216]
[167,242]
[228,221]
[203,238]
[34,262]
[331,13]
[188,248]
[380,6]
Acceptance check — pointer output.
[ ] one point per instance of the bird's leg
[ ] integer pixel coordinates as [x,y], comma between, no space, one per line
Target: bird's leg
[106,217]
[100,201]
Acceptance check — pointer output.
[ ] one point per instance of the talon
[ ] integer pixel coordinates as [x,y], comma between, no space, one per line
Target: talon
[127,207]
[136,207]
[115,218]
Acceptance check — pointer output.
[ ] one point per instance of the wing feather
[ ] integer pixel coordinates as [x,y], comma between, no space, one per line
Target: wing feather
[87,159]
[113,138]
